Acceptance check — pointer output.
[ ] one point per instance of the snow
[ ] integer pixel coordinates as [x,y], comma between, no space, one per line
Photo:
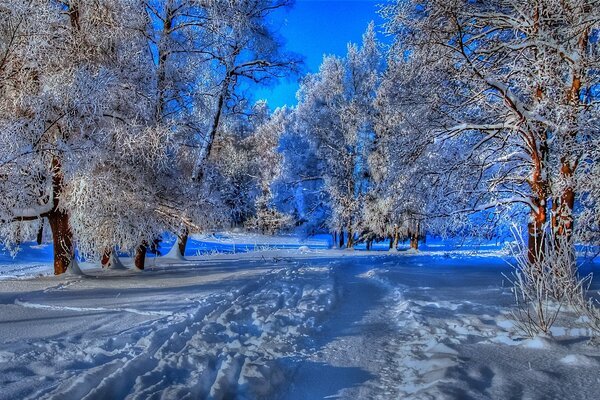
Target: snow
[284,323]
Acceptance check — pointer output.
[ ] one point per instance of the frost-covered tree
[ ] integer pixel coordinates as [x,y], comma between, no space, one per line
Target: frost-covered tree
[244,50]
[267,162]
[246,163]
[225,47]
[335,111]
[64,109]
[508,81]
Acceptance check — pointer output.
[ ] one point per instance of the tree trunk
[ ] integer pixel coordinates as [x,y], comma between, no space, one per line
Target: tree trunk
[414,241]
[182,240]
[105,261]
[414,238]
[396,237]
[206,148]
[334,238]
[140,255]
[536,235]
[341,239]
[350,238]
[391,242]
[40,233]
[62,237]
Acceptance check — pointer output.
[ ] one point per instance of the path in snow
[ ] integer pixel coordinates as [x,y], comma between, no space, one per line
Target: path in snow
[347,327]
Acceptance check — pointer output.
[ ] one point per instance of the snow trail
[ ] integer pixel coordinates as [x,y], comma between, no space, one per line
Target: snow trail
[229,346]
[351,327]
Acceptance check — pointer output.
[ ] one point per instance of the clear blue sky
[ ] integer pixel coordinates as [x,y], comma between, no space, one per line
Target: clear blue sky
[313,28]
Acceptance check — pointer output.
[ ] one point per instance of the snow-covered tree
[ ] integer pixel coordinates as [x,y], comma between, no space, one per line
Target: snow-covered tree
[334,112]
[246,163]
[72,99]
[243,50]
[508,81]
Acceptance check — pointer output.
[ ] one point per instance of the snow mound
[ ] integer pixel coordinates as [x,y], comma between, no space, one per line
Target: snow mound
[579,360]
[115,263]
[538,342]
[303,249]
[174,253]
[73,269]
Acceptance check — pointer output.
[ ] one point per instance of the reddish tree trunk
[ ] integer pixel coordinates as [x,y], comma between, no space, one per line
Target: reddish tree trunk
[414,238]
[106,257]
[536,235]
[140,255]
[396,238]
[62,237]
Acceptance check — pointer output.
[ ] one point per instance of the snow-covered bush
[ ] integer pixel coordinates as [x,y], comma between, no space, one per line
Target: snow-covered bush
[270,221]
[543,284]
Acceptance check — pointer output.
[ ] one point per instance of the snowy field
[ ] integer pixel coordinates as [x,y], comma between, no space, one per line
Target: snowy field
[290,323]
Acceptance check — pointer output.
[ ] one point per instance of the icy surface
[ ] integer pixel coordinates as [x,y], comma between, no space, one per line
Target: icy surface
[284,324]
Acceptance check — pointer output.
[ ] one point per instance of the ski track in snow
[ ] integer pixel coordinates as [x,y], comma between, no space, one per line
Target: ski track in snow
[228,346]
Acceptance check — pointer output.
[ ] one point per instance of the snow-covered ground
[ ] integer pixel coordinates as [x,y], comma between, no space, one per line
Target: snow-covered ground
[291,323]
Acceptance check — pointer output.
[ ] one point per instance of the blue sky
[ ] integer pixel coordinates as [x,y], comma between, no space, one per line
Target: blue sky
[313,28]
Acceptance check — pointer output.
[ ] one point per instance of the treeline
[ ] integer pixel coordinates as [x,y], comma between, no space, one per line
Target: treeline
[110,112]
[478,116]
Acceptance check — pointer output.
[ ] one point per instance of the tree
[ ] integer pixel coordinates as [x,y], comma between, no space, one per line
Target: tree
[506,82]
[63,107]
[335,110]
[235,45]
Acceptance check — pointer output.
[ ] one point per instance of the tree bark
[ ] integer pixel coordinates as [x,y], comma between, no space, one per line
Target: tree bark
[40,233]
[182,240]
[207,147]
[334,238]
[341,239]
[414,238]
[536,240]
[106,257]
[140,255]
[396,238]
[350,238]
[62,238]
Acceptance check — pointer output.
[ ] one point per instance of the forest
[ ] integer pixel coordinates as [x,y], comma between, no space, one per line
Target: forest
[125,121]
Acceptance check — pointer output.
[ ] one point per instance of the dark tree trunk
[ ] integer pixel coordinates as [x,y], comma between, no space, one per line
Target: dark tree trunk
[182,240]
[414,238]
[414,241]
[40,233]
[334,238]
[62,237]
[341,239]
[350,238]
[207,147]
[140,255]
